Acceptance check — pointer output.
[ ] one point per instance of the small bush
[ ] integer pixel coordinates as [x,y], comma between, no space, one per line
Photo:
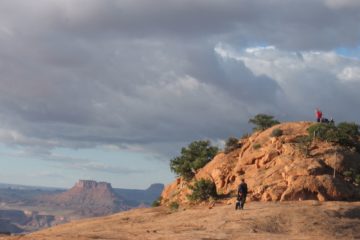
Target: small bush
[277,132]
[321,131]
[263,121]
[202,190]
[157,202]
[256,146]
[347,173]
[231,144]
[193,157]
[350,129]
[245,136]
[357,178]
[344,134]
[174,206]
[303,144]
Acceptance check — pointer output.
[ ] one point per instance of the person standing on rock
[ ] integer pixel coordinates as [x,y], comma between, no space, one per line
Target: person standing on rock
[242,192]
[318,115]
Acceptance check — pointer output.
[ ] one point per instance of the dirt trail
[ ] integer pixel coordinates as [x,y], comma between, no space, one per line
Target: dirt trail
[276,220]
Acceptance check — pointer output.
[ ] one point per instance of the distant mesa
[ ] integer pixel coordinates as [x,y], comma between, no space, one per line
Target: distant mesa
[89,184]
[88,198]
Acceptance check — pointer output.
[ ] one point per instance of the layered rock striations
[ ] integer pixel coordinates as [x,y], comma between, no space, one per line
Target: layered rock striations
[279,168]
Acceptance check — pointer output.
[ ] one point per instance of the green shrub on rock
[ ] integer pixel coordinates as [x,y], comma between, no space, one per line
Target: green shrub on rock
[263,121]
[350,129]
[202,190]
[344,133]
[256,146]
[157,202]
[174,206]
[357,178]
[303,144]
[348,174]
[231,144]
[277,132]
[192,158]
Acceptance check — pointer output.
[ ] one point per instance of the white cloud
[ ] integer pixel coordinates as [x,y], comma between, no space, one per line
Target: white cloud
[254,50]
[350,74]
[14,137]
[307,78]
[283,65]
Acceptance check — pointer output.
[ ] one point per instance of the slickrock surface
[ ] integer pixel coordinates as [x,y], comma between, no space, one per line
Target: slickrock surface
[259,220]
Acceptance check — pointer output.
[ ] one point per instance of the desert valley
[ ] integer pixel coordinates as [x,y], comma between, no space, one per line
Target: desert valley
[27,209]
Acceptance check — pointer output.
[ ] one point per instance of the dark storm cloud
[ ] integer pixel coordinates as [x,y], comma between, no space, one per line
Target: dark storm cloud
[303,24]
[145,74]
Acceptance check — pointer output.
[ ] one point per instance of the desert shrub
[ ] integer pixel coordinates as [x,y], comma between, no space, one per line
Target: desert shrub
[193,157]
[350,129]
[202,190]
[245,136]
[263,121]
[344,134]
[357,178]
[157,202]
[231,144]
[303,139]
[174,206]
[348,173]
[256,146]
[321,131]
[303,144]
[277,132]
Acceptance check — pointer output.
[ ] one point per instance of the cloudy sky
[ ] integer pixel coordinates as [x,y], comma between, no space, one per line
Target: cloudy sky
[111,90]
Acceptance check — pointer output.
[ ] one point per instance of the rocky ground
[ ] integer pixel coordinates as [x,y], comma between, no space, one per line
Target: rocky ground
[259,220]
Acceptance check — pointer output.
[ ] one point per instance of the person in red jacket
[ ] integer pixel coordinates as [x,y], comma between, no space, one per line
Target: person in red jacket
[318,115]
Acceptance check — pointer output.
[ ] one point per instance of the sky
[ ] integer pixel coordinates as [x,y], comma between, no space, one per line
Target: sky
[111,90]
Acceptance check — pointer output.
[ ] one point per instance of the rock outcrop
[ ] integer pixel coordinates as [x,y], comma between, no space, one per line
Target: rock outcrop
[279,169]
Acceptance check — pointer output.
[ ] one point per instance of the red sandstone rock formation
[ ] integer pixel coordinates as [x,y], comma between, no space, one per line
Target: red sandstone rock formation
[279,170]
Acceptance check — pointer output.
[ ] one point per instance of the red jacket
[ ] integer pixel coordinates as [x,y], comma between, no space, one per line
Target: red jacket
[318,114]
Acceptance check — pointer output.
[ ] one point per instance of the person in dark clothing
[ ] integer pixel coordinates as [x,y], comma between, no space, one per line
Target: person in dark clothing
[332,122]
[242,192]
[238,202]
[325,120]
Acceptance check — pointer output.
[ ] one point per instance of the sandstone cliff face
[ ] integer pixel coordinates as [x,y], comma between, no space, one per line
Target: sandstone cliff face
[279,169]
